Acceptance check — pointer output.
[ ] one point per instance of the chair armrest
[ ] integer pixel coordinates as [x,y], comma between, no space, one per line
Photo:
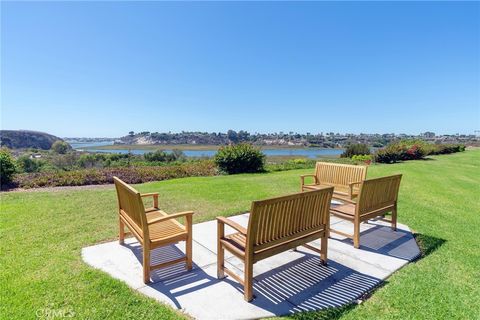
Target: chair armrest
[151,194]
[233,224]
[302,178]
[352,183]
[171,216]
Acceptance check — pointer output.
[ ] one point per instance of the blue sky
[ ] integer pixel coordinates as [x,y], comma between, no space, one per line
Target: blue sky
[103,69]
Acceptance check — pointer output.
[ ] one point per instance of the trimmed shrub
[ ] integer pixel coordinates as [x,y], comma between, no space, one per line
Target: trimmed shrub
[7,167]
[355,149]
[240,158]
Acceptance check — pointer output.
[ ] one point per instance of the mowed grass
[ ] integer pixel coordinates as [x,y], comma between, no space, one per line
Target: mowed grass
[42,233]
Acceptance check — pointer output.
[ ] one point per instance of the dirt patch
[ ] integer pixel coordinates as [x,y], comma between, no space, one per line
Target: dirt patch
[57,189]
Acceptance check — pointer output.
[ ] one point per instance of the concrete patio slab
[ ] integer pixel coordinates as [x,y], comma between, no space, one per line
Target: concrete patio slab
[290,282]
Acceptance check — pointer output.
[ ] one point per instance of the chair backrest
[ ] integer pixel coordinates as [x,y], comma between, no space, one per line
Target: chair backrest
[274,220]
[339,174]
[130,205]
[378,193]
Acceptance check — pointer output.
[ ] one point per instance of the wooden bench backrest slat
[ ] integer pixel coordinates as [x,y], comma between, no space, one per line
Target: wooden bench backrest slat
[339,174]
[273,219]
[378,193]
[130,203]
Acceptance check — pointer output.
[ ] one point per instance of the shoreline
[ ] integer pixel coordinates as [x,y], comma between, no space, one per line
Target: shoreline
[189,147]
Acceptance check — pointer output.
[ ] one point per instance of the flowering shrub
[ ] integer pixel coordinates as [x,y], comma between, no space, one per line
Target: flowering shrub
[365,158]
[413,150]
[105,175]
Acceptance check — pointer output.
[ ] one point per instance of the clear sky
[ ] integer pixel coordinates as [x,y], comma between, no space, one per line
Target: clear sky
[105,68]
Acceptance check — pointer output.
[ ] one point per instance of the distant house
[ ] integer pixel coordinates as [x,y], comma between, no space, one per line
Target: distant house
[35,156]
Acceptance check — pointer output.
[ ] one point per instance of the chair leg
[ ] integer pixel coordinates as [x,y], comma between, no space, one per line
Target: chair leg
[220,251]
[356,234]
[188,249]
[248,282]
[323,248]
[394,219]
[146,264]
[188,243]
[121,234]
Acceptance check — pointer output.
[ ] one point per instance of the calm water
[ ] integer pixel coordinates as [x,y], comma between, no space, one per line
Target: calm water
[307,152]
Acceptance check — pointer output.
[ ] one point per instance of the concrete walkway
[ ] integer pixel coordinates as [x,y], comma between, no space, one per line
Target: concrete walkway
[290,282]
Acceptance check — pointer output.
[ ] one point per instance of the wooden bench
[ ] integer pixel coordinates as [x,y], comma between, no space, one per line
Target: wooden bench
[152,227]
[343,177]
[275,225]
[376,198]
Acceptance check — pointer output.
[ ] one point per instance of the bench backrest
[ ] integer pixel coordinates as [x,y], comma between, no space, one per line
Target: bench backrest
[130,206]
[275,220]
[378,193]
[337,174]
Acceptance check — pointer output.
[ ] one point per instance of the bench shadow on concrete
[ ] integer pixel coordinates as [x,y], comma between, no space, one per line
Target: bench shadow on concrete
[307,285]
[383,240]
[169,279]
[300,285]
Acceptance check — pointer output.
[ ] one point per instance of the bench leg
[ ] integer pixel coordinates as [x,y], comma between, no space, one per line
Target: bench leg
[121,233]
[324,248]
[146,264]
[356,234]
[248,283]
[394,219]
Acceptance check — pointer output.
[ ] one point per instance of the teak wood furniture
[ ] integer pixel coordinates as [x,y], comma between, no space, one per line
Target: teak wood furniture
[343,177]
[152,227]
[275,225]
[376,198]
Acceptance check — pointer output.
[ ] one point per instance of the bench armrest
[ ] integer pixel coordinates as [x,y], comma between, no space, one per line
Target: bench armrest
[350,186]
[172,216]
[233,224]
[302,178]
[151,194]
[343,199]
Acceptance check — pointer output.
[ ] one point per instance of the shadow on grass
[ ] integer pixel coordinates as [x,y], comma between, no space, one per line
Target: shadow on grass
[326,314]
[427,244]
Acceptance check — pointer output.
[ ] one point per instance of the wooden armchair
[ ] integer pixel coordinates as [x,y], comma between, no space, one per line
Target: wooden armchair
[275,225]
[343,177]
[376,198]
[152,227]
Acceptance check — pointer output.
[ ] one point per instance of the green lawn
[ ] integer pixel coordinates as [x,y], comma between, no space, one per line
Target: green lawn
[42,233]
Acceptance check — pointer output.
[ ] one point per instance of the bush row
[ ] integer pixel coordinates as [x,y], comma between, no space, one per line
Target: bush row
[105,175]
[413,150]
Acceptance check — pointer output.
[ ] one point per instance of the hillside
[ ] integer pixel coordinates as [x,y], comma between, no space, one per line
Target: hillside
[16,139]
